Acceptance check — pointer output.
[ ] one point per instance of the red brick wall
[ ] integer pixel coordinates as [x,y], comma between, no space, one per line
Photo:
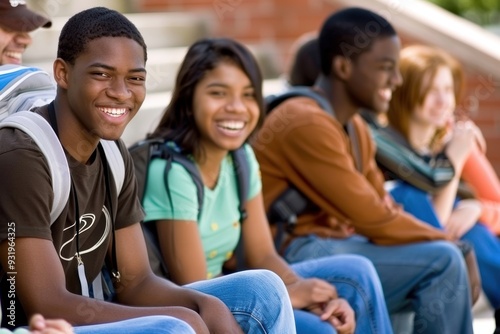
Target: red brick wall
[482,100]
[278,23]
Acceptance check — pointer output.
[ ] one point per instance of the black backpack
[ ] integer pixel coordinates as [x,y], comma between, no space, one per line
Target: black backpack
[144,151]
[272,101]
[284,211]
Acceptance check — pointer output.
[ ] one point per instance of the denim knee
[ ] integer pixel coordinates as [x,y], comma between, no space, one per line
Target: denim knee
[449,256]
[171,325]
[272,309]
[451,274]
[148,324]
[361,268]
[258,300]
[307,323]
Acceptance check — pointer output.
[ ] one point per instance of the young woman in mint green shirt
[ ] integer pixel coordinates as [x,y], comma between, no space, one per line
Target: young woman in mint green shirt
[216,106]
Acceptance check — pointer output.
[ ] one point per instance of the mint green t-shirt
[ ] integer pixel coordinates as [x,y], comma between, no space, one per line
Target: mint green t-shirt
[219,220]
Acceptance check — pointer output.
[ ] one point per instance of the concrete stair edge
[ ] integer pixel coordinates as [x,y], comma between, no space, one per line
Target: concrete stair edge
[179,29]
[163,64]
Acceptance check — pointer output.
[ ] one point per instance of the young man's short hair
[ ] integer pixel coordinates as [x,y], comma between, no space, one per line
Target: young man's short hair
[349,33]
[91,24]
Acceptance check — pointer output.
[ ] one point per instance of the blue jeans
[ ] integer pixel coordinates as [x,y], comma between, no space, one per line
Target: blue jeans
[429,277]
[153,324]
[486,244]
[356,280]
[258,300]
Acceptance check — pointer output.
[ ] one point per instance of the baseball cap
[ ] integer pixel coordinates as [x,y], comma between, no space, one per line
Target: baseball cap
[15,16]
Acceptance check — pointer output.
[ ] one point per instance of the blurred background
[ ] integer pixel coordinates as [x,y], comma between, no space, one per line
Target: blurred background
[468,29]
[270,28]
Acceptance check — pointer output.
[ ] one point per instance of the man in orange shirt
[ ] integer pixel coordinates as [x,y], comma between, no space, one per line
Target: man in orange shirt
[330,160]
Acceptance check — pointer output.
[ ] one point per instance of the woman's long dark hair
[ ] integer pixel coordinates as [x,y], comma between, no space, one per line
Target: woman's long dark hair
[177,123]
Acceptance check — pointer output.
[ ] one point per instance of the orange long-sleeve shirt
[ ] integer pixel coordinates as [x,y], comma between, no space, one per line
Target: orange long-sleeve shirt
[300,144]
[481,177]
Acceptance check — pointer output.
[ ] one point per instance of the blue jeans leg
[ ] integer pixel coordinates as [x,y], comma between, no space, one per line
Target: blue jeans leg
[309,323]
[486,245]
[258,300]
[430,276]
[487,249]
[416,202]
[356,280]
[153,324]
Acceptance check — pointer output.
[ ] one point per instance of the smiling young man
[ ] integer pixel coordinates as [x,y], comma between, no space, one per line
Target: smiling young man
[100,75]
[330,160]
[16,22]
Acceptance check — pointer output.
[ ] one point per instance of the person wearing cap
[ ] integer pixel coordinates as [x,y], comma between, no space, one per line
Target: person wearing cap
[16,22]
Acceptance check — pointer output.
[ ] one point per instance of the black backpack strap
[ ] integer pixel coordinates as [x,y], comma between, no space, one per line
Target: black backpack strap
[284,211]
[291,203]
[272,101]
[356,151]
[155,256]
[171,155]
[242,172]
[142,153]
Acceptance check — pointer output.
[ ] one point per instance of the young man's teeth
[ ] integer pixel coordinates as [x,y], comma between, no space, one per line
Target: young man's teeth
[114,112]
[386,93]
[232,125]
[12,54]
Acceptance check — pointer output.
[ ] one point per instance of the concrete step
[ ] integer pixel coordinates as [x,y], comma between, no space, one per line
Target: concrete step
[163,64]
[160,30]
[54,8]
[162,67]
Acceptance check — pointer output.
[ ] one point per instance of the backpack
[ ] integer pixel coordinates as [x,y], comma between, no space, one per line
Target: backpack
[22,88]
[143,152]
[272,101]
[398,160]
[291,203]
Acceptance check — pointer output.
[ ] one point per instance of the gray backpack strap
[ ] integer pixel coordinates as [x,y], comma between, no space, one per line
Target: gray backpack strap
[40,130]
[115,161]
